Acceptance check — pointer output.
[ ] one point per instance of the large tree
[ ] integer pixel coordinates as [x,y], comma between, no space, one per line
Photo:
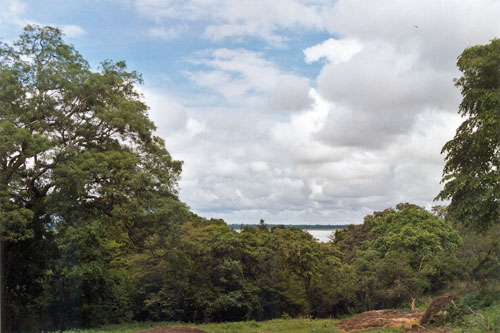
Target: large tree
[471,175]
[82,177]
[399,254]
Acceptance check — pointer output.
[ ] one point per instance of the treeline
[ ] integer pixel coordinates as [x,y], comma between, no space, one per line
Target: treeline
[297,226]
[206,272]
[215,274]
[93,231]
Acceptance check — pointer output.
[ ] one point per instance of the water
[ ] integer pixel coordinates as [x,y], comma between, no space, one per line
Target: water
[321,235]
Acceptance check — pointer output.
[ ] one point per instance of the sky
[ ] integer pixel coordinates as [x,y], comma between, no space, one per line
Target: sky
[292,111]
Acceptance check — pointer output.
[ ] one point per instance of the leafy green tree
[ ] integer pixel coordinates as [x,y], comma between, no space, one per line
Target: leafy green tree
[480,256]
[352,240]
[334,284]
[261,269]
[198,279]
[87,284]
[78,161]
[400,253]
[471,175]
[300,256]
[216,274]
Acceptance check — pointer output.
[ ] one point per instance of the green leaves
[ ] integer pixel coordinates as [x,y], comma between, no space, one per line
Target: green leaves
[471,175]
[400,253]
[81,174]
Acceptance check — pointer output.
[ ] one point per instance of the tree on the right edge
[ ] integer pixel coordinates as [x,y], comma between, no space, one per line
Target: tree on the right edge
[471,174]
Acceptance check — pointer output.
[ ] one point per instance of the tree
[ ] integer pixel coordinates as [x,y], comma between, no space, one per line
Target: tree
[399,254]
[480,256]
[471,174]
[78,161]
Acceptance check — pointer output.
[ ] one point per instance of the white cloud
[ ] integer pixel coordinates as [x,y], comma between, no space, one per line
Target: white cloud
[195,127]
[296,137]
[367,136]
[164,33]
[260,167]
[290,93]
[440,29]
[13,12]
[168,114]
[235,73]
[334,50]
[379,92]
[369,114]
[247,77]
[237,19]
[73,31]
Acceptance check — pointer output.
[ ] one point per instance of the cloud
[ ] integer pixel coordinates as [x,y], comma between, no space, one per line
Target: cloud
[397,62]
[234,73]
[368,88]
[13,12]
[240,169]
[73,31]
[237,19]
[168,114]
[378,94]
[290,93]
[440,29]
[365,138]
[415,158]
[404,67]
[246,77]
[164,33]
[334,50]
[296,137]
[389,20]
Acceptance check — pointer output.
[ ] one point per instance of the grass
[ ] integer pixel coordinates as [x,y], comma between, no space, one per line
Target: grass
[277,325]
[485,318]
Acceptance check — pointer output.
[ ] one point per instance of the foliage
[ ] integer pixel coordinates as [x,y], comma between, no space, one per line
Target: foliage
[398,254]
[82,181]
[477,311]
[471,175]
[259,273]
[264,273]
[479,256]
[93,232]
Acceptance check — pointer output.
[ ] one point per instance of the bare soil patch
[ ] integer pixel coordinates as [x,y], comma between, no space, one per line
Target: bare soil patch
[386,318]
[172,329]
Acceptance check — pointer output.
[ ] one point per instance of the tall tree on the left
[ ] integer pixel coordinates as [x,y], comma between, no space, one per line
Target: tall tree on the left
[82,177]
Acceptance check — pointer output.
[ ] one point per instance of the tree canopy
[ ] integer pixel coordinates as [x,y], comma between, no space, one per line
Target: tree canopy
[471,175]
[93,232]
[400,253]
[79,168]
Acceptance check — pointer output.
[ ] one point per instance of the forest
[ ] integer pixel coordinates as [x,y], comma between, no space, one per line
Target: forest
[93,231]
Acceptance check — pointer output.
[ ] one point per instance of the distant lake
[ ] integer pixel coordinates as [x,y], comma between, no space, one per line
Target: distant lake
[320,235]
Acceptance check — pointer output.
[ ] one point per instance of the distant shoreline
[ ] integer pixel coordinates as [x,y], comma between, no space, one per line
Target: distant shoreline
[297,226]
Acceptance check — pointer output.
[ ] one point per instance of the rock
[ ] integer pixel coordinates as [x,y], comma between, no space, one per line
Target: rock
[437,305]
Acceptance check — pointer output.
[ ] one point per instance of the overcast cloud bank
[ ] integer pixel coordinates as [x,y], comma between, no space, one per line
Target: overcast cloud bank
[351,121]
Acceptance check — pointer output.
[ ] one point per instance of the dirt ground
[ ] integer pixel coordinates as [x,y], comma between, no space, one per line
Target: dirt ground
[173,329]
[386,318]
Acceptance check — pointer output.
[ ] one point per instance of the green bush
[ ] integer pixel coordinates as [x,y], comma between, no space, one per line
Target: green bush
[477,311]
